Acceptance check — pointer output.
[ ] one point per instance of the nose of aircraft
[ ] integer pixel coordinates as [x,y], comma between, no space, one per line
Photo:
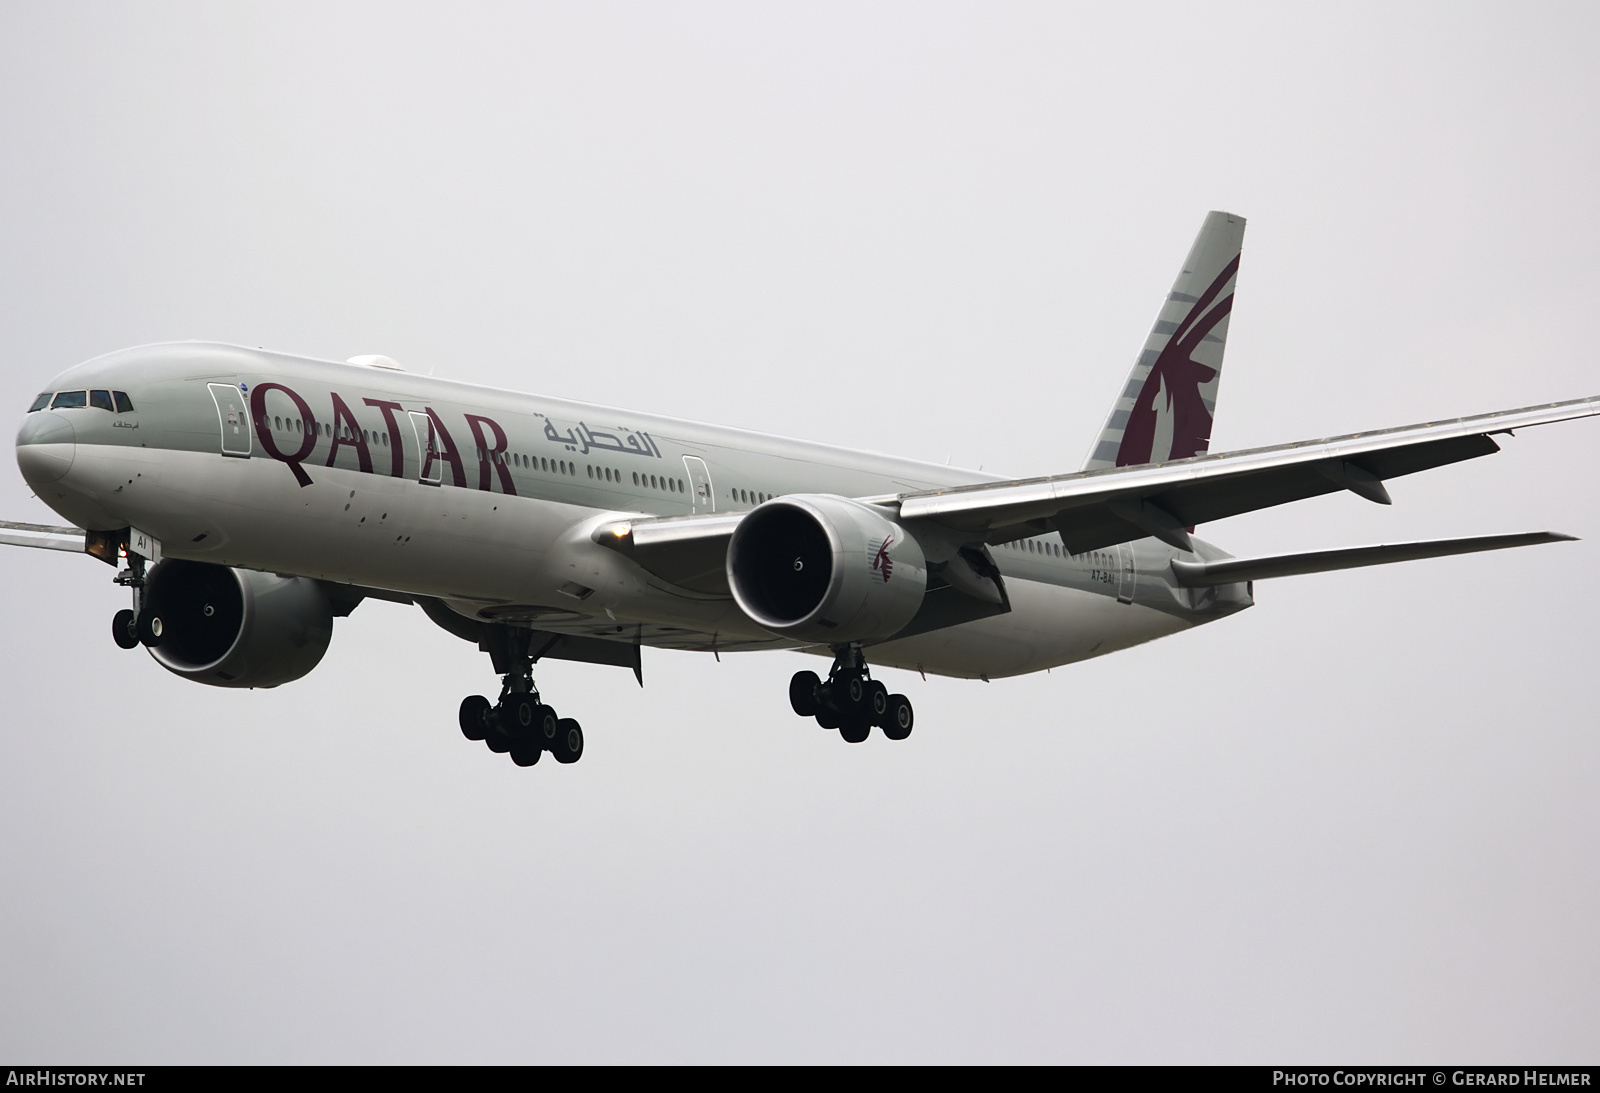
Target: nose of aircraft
[46,445]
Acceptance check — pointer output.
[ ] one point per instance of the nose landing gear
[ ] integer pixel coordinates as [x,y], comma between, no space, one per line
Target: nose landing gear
[850,700]
[520,724]
[139,626]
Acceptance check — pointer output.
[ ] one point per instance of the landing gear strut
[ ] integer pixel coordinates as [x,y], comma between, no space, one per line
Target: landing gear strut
[851,701]
[130,629]
[520,724]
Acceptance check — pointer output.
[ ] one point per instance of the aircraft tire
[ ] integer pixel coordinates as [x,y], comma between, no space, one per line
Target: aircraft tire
[525,753]
[876,700]
[125,629]
[546,727]
[855,729]
[569,741]
[521,717]
[853,693]
[897,725]
[474,712]
[827,716]
[803,693]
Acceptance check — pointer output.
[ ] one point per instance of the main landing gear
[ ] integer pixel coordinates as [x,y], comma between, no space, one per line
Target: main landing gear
[520,724]
[850,700]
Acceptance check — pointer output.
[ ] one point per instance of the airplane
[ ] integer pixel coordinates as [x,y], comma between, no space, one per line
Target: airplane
[248,498]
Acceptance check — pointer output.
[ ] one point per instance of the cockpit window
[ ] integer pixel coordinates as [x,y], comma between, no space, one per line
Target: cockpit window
[40,403]
[67,400]
[124,403]
[100,400]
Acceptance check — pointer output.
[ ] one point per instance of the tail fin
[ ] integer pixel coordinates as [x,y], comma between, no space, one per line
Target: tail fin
[1165,410]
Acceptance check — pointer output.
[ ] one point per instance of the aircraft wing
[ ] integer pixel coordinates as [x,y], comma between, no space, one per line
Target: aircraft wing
[1096,509]
[1099,508]
[686,551]
[44,536]
[96,544]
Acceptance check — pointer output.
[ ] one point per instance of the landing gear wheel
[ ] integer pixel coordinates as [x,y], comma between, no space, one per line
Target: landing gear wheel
[877,702]
[827,712]
[569,741]
[124,629]
[498,742]
[803,693]
[474,715]
[546,727]
[853,692]
[855,729]
[897,725]
[150,630]
[525,753]
[520,717]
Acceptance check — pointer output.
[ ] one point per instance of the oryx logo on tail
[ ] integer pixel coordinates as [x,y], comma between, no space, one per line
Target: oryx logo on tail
[1170,395]
[1166,406]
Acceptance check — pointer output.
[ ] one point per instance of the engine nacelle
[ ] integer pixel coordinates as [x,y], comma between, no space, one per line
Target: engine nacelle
[826,569]
[236,627]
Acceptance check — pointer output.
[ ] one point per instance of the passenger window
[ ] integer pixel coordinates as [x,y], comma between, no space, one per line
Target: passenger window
[70,400]
[40,403]
[100,400]
[124,403]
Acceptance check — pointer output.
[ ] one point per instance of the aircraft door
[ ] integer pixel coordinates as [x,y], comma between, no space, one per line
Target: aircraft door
[234,418]
[1127,575]
[430,468]
[702,498]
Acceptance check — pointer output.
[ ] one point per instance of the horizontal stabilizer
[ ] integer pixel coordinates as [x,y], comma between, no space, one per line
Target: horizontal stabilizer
[43,536]
[1234,570]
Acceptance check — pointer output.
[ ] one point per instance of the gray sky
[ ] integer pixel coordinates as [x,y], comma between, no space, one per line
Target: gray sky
[1357,822]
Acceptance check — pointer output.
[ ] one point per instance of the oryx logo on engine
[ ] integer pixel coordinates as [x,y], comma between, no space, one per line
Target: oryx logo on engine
[881,562]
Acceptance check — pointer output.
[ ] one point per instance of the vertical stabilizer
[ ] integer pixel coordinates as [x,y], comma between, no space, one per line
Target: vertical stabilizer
[1166,407]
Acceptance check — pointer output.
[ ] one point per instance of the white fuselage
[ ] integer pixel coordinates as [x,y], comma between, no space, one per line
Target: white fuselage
[332,475]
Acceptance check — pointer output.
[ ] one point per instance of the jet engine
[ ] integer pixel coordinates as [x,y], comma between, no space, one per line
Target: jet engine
[827,569]
[235,627]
